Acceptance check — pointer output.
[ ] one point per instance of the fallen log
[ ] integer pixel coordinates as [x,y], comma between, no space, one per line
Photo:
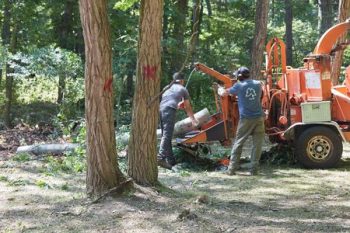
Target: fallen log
[184,126]
[47,148]
[181,127]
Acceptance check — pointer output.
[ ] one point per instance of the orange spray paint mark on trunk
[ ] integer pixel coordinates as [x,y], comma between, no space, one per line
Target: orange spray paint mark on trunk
[149,72]
[108,85]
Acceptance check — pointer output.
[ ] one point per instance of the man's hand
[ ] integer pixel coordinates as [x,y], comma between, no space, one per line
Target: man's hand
[181,105]
[195,122]
[222,91]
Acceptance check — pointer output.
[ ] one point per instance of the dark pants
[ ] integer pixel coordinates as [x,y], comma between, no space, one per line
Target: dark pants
[167,120]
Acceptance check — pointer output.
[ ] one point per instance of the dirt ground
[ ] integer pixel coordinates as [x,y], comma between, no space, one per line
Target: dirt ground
[279,199]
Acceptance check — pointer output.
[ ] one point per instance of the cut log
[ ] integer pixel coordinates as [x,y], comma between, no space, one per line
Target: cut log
[184,126]
[181,127]
[47,148]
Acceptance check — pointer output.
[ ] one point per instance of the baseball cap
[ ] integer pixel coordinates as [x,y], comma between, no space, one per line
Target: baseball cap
[242,72]
[178,76]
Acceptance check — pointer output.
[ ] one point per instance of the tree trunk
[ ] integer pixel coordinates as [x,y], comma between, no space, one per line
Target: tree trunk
[64,29]
[325,14]
[142,159]
[61,87]
[5,32]
[273,11]
[209,7]
[179,54]
[6,36]
[9,98]
[343,14]
[262,9]
[288,19]
[130,82]
[65,25]
[197,8]
[9,79]
[103,172]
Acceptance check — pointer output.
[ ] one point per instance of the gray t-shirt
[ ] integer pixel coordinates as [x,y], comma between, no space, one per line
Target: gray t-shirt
[173,96]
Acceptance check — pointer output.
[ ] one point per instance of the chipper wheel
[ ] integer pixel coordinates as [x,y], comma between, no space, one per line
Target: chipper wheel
[319,147]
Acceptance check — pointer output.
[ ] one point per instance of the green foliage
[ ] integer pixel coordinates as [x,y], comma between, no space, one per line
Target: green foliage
[64,187]
[4,178]
[22,157]
[278,155]
[346,58]
[305,37]
[52,61]
[73,104]
[72,161]
[124,4]
[69,163]
[123,165]
[18,182]
[36,90]
[32,113]
[37,73]
[302,10]
[185,173]
[42,184]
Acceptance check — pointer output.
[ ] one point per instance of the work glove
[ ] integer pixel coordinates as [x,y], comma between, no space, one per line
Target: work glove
[222,91]
[195,123]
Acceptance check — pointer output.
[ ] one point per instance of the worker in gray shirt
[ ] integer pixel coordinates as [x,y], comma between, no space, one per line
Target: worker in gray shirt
[171,98]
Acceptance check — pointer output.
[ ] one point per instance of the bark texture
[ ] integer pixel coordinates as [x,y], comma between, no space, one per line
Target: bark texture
[102,167]
[344,13]
[142,159]
[262,9]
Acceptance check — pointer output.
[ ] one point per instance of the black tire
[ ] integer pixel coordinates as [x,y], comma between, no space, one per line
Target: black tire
[319,147]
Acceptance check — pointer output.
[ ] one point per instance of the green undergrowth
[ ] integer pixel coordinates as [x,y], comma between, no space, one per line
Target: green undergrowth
[208,158]
[280,154]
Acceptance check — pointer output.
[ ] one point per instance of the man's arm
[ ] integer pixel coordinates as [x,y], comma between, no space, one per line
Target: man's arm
[189,111]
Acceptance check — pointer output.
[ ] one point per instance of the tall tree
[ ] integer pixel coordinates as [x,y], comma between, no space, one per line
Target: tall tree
[343,14]
[179,34]
[102,167]
[142,159]
[325,15]
[261,13]
[67,31]
[5,36]
[64,28]
[196,25]
[288,19]
[9,37]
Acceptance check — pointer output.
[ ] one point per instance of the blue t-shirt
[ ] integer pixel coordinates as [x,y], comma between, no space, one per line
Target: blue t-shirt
[249,98]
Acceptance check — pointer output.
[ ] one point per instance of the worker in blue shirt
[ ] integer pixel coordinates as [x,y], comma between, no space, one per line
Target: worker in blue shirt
[251,119]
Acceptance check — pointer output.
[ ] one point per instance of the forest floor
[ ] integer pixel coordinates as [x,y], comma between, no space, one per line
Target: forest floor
[280,199]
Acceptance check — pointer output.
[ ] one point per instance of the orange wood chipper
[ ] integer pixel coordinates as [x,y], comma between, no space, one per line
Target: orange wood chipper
[302,106]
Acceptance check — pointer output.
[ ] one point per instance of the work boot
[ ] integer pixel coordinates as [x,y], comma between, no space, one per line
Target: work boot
[170,160]
[163,163]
